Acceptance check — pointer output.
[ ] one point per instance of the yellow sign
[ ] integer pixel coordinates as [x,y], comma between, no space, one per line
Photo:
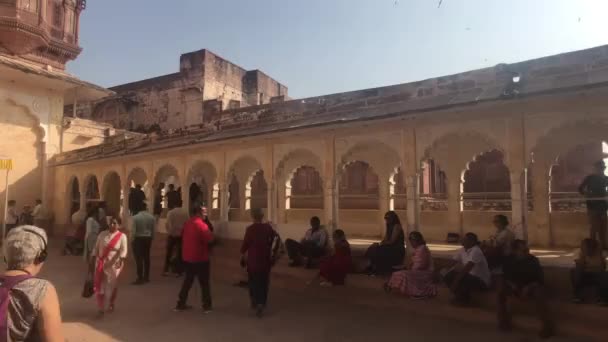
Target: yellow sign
[6,164]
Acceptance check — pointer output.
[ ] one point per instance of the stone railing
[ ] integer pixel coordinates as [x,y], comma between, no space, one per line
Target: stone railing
[434,202]
[569,201]
[486,201]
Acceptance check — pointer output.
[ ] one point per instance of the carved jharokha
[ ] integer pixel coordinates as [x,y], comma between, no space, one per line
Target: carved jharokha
[41,31]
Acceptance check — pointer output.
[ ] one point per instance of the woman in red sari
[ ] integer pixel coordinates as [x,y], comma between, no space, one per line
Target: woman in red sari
[334,268]
[109,254]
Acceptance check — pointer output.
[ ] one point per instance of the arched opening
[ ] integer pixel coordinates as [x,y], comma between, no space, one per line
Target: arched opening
[197,192]
[303,195]
[234,201]
[304,189]
[74,198]
[256,193]
[487,183]
[113,194]
[433,187]
[91,194]
[359,187]
[359,198]
[203,187]
[485,192]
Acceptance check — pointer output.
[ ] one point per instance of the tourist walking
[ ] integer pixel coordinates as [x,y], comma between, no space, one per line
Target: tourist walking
[176,218]
[109,255]
[333,269]
[416,281]
[32,310]
[594,189]
[258,254]
[144,226]
[312,246]
[195,255]
[390,251]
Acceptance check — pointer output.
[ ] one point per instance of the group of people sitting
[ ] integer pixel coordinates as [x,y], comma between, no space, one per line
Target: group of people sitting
[502,263]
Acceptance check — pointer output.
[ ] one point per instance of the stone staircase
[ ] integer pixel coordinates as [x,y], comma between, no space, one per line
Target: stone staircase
[573,320]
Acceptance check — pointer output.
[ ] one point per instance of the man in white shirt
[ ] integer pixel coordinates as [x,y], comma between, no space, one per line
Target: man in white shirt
[312,246]
[471,272]
[39,215]
[176,217]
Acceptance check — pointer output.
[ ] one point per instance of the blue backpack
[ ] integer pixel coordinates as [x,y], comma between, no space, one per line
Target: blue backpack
[6,285]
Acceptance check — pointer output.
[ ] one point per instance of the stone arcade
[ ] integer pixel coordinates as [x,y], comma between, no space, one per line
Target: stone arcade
[446,153]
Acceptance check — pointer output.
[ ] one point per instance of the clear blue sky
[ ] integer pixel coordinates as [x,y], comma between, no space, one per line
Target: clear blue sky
[319,47]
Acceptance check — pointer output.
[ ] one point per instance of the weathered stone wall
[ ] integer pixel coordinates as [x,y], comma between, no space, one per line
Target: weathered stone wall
[81,133]
[182,99]
[29,135]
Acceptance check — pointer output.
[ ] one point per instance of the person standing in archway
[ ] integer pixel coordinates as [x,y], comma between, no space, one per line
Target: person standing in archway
[137,197]
[594,188]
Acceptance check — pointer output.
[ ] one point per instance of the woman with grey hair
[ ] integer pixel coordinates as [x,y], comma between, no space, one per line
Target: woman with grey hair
[33,312]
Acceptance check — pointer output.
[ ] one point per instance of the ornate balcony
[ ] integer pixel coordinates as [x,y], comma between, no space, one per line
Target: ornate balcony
[42,31]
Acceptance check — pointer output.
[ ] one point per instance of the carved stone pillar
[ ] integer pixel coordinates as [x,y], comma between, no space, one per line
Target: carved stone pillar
[413,204]
[454,204]
[281,215]
[271,199]
[330,204]
[519,205]
[540,231]
[384,202]
[224,201]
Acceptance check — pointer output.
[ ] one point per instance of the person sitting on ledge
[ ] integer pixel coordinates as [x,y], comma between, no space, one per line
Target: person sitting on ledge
[390,251]
[416,281]
[590,270]
[471,272]
[312,246]
[333,269]
[523,277]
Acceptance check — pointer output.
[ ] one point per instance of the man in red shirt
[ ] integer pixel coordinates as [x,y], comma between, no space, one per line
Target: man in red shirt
[259,255]
[195,255]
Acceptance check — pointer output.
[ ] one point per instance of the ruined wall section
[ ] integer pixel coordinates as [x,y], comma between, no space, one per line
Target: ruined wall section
[223,86]
[157,102]
[263,89]
[205,86]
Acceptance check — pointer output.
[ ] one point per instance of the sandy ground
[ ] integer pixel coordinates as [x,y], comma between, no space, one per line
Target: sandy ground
[144,313]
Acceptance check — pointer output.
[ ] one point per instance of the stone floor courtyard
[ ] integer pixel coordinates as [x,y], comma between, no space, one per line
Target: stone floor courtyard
[301,313]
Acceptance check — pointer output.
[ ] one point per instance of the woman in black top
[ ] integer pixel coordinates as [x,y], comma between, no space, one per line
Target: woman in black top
[390,251]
